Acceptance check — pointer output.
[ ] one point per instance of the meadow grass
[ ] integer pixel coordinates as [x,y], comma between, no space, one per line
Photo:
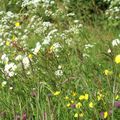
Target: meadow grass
[66,71]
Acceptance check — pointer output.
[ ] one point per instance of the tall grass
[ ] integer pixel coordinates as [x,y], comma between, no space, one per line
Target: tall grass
[64,68]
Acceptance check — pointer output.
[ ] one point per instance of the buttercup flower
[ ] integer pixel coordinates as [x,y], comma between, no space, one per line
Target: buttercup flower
[81,114]
[66,98]
[107,72]
[72,101]
[100,96]
[78,105]
[56,93]
[105,115]
[76,115]
[7,43]
[68,105]
[117,59]
[91,105]
[117,97]
[17,24]
[30,56]
[86,96]
[74,93]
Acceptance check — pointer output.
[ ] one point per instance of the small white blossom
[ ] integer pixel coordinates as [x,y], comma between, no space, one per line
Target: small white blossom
[52,32]
[76,21]
[88,46]
[85,55]
[59,67]
[109,51]
[11,88]
[26,62]
[55,47]
[115,42]
[46,41]
[10,69]
[59,73]
[4,58]
[18,58]
[37,48]
[47,24]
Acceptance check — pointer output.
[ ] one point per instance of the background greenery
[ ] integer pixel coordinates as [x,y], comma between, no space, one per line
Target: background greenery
[85,33]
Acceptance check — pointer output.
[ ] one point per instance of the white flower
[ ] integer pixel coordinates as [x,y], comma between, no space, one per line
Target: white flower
[37,48]
[10,69]
[46,40]
[55,47]
[109,51]
[52,32]
[47,24]
[59,73]
[59,67]
[88,46]
[26,62]
[10,14]
[18,58]
[30,2]
[86,55]
[11,88]
[115,42]
[4,58]
[4,83]
[71,14]
[76,21]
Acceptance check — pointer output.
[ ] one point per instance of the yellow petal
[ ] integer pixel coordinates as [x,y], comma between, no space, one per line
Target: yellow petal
[56,93]
[105,115]
[17,24]
[117,59]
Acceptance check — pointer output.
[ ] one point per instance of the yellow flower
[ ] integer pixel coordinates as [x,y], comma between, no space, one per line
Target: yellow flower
[116,97]
[117,59]
[78,105]
[107,72]
[17,24]
[105,115]
[66,98]
[56,93]
[99,97]
[91,105]
[82,97]
[74,93]
[81,114]
[30,56]
[76,115]
[7,43]
[68,105]
[86,97]
[72,101]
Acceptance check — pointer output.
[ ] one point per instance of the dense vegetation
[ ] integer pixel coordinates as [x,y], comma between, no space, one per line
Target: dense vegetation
[60,60]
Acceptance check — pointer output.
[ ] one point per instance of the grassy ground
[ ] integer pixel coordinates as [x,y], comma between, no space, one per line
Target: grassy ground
[72,73]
